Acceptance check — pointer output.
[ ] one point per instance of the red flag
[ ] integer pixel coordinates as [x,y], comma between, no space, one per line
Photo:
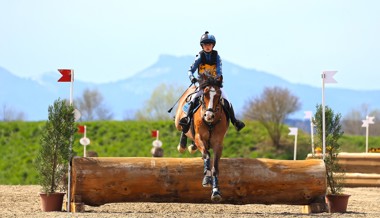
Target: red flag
[66,75]
[154,133]
[81,129]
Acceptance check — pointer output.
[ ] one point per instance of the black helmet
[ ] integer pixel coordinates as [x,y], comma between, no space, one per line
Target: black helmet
[208,38]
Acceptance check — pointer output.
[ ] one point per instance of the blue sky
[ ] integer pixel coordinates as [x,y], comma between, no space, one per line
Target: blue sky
[109,40]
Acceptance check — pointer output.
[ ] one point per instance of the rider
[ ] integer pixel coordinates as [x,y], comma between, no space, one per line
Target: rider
[208,61]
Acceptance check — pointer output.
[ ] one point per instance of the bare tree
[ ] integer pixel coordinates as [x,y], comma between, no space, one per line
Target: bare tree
[352,122]
[271,109]
[92,107]
[162,98]
[129,114]
[10,114]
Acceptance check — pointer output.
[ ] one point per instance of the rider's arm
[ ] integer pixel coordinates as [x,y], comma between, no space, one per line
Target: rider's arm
[219,66]
[194,66]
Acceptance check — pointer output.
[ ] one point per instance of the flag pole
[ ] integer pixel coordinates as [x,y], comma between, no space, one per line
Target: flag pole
[294,131]
[368,120]
[295,147]
[366,137]
[70,147]
[312,135]
[71,87]
[84,151]
[327,77]
[308,114]
[323,117]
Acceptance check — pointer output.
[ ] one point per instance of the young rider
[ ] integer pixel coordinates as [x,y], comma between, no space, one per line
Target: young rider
[208,60]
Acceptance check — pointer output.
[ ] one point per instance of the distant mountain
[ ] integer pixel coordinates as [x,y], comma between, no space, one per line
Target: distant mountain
[34,96]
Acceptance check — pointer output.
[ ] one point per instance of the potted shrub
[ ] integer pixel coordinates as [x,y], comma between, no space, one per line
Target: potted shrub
[336,200]
[54,153]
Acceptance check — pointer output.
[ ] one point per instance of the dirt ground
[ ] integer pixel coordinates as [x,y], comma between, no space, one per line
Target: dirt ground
[23,201]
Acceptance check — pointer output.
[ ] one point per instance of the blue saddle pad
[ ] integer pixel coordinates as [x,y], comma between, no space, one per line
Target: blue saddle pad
[186,106]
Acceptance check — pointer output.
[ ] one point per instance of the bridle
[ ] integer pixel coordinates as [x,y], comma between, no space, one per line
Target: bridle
[217,107]
[204,110]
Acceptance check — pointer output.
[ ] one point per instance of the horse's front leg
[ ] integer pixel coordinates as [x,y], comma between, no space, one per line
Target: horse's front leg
[201,144]
[216,195]
[207,178]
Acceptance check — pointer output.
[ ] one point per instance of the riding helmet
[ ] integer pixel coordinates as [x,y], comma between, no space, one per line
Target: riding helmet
[207,38]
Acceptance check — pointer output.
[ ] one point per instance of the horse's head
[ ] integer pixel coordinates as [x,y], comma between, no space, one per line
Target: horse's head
[211,106]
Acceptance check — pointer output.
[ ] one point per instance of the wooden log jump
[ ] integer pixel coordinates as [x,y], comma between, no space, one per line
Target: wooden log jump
[97,181]
[361,169]
[360,162]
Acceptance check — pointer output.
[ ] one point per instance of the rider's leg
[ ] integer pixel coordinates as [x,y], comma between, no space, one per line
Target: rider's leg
[231,113]
[185,121]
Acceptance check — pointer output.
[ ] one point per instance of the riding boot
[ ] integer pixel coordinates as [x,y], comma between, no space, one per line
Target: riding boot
[185,121]
[230,110]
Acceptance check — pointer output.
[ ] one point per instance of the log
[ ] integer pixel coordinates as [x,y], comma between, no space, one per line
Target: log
[361,180]
[242,181]
[360,169]
[360,162]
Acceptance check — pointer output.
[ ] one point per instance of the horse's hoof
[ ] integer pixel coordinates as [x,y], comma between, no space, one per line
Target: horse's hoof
[216,197]
[192,148]
[207,181]
[180,149]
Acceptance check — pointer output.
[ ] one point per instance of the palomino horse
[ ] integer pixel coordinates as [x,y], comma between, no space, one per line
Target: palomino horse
[208,128]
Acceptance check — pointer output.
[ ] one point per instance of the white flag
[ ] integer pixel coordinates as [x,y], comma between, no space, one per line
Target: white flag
[293,131]
[308,115]
[328,76]
[365,123]
[370,120]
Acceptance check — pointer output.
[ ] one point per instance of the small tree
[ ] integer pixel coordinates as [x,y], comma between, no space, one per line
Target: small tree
[271,109]
[54,153]
[333,132]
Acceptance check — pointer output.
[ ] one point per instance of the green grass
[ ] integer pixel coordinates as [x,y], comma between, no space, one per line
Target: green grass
[19,144]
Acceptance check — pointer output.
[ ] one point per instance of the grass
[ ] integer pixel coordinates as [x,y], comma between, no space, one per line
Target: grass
[19,144]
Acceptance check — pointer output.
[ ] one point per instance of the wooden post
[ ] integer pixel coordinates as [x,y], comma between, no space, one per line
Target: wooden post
[242,181]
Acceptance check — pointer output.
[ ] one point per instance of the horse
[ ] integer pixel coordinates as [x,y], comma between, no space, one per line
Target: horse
[208,128]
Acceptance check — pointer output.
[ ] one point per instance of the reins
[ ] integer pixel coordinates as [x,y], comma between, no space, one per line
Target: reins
[188,97]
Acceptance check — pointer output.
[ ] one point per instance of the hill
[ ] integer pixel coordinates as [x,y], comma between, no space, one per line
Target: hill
[34,96]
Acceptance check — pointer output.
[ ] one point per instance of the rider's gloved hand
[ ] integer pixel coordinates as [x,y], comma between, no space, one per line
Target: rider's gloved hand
[193,79]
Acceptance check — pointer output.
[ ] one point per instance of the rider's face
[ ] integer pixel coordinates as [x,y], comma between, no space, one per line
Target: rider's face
[207,47]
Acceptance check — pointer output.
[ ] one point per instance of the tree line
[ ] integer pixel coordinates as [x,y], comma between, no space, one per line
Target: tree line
[271,108]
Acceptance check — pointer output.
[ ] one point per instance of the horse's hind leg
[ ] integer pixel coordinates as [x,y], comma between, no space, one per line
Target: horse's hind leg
[216,195]
[207,179]
[182,143]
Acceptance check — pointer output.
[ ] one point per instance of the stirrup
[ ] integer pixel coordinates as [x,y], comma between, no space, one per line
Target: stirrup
[185,123]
